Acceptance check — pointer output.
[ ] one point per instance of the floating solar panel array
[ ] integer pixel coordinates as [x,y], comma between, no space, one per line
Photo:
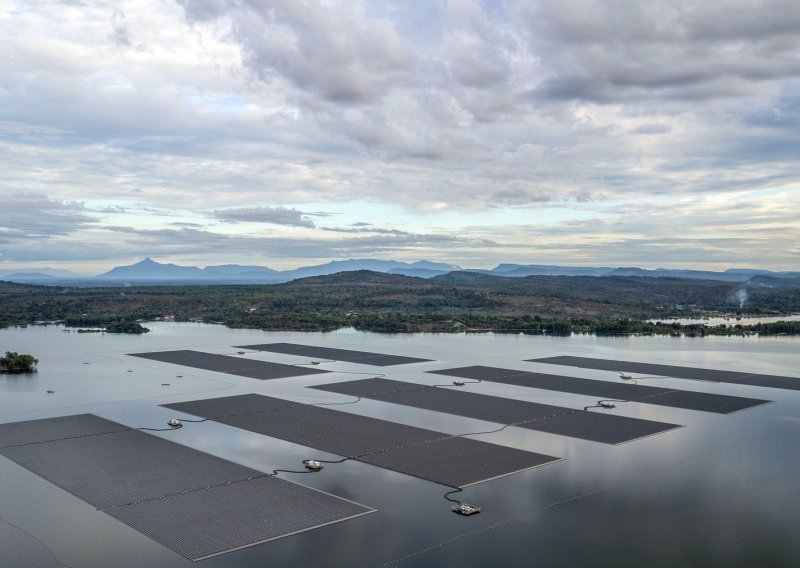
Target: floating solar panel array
[435,456]
[689,400]
[695,373]
[363,357]
[146,482]
[150,483]
[572,422]
[262,370]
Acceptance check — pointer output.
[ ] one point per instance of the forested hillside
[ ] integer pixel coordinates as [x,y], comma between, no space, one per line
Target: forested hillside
[374,301]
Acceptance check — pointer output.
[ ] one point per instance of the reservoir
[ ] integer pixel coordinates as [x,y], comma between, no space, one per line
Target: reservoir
[717,490]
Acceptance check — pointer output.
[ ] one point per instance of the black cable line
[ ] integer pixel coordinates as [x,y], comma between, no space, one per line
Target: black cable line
[448,498]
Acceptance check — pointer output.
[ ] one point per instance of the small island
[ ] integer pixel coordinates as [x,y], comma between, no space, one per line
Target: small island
[126,327]
[13,362]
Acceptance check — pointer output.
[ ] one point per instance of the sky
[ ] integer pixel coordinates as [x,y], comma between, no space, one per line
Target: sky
[284,133]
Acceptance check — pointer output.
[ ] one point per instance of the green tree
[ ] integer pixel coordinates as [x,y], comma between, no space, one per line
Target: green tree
[14,362]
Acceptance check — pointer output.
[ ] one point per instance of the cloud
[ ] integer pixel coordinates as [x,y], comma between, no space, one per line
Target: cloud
[366,228]
[652,129]
[183,244]
[273,215]
[512,197]
[335,52]
[627,50]
[460,113]
[33,215]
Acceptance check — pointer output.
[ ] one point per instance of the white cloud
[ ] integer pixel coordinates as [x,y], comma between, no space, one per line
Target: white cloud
[459,108]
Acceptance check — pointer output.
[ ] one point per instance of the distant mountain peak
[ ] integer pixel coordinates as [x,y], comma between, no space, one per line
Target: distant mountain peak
[152,271]
[149,269]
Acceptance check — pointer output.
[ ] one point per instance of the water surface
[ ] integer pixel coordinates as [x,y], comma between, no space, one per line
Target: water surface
[723,491]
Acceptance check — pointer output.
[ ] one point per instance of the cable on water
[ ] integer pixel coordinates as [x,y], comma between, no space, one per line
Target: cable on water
[448,498]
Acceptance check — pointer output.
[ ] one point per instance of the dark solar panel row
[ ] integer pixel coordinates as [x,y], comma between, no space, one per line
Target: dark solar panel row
[695,373]
[575,423]
[262,370]
[689,400]
[210,506]
[426,454]
[313,351]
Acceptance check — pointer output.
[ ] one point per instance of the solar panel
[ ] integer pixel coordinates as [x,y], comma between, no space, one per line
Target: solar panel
[194,503]
[406,449]
[363,357]
[706,402]
[262,370]
[695,373]
[576,423]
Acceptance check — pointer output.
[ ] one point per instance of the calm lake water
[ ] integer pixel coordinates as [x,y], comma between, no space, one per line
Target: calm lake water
[723,491]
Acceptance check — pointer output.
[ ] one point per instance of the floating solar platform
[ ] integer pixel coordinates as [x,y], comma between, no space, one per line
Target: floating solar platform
[194,503]
[575,423]
[689,400]
[363,357]
[262,370]
[679,372]
[426,454]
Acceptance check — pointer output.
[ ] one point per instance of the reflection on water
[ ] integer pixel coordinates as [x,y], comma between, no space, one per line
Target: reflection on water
[728,320]
[720,492]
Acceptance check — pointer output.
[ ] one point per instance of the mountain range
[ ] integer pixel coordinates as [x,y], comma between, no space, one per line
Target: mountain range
[149,271]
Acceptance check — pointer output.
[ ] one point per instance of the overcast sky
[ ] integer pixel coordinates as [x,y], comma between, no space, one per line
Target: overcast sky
[290,132]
